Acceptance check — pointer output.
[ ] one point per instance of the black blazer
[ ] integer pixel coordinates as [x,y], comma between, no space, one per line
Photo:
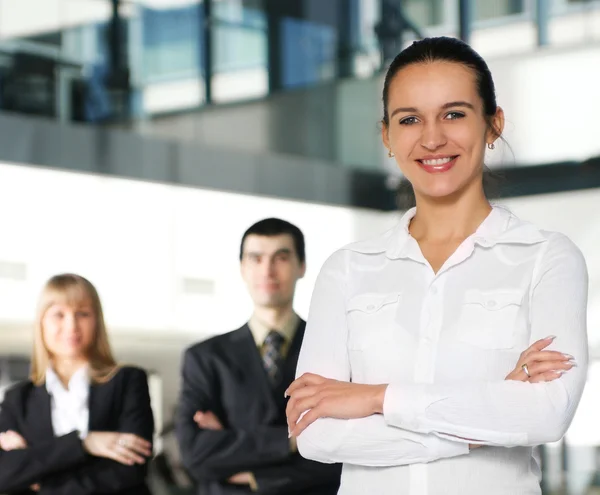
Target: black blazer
[60,464]
[225,375]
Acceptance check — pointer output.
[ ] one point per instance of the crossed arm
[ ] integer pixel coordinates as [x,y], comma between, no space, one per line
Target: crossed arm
[403,423]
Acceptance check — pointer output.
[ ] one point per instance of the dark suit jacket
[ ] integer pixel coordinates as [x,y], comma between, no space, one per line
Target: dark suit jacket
[225,375]
[60,464]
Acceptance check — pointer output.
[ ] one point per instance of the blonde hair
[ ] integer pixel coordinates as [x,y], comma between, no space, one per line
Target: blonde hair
[68,288]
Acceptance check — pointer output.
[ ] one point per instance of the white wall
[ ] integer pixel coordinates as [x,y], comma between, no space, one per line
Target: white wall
[138,241]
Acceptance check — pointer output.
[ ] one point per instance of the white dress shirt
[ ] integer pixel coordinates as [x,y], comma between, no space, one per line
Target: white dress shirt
[69,407]
[444,342]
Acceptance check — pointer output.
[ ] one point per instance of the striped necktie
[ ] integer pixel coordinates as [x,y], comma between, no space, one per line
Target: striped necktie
[272,357]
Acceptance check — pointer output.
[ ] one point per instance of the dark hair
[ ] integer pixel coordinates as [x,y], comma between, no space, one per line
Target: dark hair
[270,227]
[445,49]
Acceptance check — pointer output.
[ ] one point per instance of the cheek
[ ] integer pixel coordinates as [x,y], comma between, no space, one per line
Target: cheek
[50,335]
[88,330]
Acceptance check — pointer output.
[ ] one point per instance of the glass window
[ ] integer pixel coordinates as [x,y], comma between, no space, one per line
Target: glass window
[171,42]
[484,9]
[239,47]
[425,12]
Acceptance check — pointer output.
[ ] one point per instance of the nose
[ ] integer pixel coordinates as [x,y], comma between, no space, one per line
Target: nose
[70,323]
[433,136]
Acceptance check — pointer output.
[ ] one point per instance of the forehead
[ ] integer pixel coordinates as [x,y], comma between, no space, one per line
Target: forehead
[432,84]
[261,244]
[71,295]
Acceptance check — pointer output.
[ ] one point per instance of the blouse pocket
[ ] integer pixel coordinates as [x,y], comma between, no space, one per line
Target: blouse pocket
[371,318]
[488,318]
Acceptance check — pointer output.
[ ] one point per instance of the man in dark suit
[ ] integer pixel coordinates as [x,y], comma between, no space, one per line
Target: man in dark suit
[231,422]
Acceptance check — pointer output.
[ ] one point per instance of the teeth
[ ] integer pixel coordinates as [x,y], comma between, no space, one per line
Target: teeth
[437,162]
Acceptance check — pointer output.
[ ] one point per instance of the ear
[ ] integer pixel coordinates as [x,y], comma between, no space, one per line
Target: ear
[497,126]
[302,270]
[385,135]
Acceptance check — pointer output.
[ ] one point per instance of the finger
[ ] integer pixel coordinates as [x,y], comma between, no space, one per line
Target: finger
[548,356]
[540,344]
[543,367]
[546,377]
[305,380]
[293,411]
[130,454]
[141,448]
[121,458]
[139,443]
[309,418]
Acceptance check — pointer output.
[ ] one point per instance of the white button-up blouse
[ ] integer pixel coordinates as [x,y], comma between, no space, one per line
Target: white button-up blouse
[69,407]
[444,342]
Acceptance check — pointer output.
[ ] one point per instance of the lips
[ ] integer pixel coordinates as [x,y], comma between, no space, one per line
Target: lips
[438,164]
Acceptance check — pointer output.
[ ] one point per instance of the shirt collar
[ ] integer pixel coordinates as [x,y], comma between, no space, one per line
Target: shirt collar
[78,384]
[260,330]
[499,227]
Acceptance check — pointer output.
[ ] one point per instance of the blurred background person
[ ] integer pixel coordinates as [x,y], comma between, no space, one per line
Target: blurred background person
[231,422]
[82,424]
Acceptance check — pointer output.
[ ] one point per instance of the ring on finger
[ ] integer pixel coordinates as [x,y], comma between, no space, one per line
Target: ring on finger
[526,370]
[122,442]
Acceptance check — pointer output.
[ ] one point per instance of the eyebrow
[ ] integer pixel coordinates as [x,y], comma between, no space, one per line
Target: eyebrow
[445,106]
[279,251]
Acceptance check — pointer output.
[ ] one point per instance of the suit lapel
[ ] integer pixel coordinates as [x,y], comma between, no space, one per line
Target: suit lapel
[39,414]
[248,361]
[98,402]
[291,361]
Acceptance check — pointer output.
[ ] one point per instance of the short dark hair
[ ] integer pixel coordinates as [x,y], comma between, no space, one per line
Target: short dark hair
[270,227]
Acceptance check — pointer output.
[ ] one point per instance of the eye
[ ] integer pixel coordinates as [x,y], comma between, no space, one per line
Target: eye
[408,121]
[84,314]
[454,115]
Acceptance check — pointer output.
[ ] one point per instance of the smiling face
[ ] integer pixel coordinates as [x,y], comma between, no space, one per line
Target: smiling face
[437,128]
[69,329]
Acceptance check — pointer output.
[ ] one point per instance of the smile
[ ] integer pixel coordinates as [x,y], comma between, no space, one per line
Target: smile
[436,165]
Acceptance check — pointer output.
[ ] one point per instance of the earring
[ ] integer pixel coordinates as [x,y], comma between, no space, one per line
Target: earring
[390,154]
[491,146]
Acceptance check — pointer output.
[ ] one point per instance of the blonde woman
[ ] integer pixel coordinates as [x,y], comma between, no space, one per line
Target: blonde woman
[81,424]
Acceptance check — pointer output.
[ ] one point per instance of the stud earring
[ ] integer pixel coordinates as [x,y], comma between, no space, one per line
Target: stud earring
[491,146]
[390,154]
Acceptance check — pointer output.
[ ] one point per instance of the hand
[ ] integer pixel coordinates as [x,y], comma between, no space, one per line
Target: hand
[11,440]
[207,420]
[125,448]
[240,479]
[543,366]
[35,488]
[320,397]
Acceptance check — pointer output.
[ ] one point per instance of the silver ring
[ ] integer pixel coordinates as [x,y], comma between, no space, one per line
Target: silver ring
[526,370]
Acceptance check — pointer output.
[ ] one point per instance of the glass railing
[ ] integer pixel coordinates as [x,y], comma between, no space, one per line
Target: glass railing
[85,60]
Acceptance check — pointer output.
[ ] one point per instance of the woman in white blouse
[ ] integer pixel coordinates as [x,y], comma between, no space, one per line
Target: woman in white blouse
[426,365]
[81,424]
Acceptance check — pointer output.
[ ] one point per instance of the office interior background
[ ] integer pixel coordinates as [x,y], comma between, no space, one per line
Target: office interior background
[140,138]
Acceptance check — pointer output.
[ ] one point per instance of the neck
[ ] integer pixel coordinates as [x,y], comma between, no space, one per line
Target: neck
[450,219]
[66,368]
[274,317]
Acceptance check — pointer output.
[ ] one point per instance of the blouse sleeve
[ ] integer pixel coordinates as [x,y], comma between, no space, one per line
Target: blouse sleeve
[367,441]
[512,413]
